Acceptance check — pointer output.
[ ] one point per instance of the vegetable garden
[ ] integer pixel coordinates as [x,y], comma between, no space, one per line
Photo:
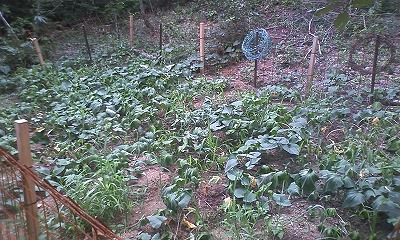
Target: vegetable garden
[231,161]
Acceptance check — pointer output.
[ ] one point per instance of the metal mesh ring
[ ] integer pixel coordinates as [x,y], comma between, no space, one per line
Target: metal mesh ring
[256,44]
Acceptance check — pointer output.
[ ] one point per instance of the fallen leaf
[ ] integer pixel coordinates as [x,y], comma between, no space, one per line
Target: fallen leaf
[375,120]
[188,224]
[253,182]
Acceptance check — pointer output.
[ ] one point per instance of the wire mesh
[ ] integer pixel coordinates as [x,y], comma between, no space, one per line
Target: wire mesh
[59,217]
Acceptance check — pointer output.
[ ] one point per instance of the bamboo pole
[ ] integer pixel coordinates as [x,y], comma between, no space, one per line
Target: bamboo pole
[312,64]
[38,51]
[30,198]
[374,69]
[202,59]
[131,31]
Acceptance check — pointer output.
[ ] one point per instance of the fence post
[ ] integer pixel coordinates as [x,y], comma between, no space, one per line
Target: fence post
[312,64]
[202,60]
[38,51]
[131,31]
[30,198]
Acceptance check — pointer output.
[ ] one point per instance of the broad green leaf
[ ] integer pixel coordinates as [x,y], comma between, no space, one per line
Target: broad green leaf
[156,236]
[110,112]
[393,146]
[382,204]
[53,183]
[143,236]
[215,126]
[58,169]
[369,193]
[63,162]
[394,196]
[293,189]
[333,183]
[266,145]
[361,3]
[396,181]
[184,200]
[229,49]
[292,148]
[353,198]
[348,182]
[156,221]
[265,178]
[299,122]
[281,200]
[5,69]
[245,181]
[234,174]
[282,140]
[239,192]
[43,170]
[65,85]
[307,180]
[249,197]
[341,21]
[231,163]
[376,106]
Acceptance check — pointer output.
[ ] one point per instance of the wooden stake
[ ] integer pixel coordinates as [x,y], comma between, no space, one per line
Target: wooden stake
[202,59]
[87,42]
[30,198]
[131,31]
[1,227]
[312,64]
[374,69]
[38,51]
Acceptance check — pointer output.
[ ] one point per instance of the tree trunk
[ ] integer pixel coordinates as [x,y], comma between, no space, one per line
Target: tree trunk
[141,6]
[143,16]
[9,26]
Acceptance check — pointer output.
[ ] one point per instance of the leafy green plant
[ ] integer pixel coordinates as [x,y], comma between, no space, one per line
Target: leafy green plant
[338,230]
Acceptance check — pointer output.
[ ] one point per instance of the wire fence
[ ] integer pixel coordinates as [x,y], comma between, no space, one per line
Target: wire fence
[288,62]
[56,216]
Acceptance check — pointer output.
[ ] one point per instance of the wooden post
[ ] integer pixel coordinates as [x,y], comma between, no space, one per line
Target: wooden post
[87,42]
[312,64]
[30,198]
[38,51]
[374,69]
[131,31]
[202,59]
